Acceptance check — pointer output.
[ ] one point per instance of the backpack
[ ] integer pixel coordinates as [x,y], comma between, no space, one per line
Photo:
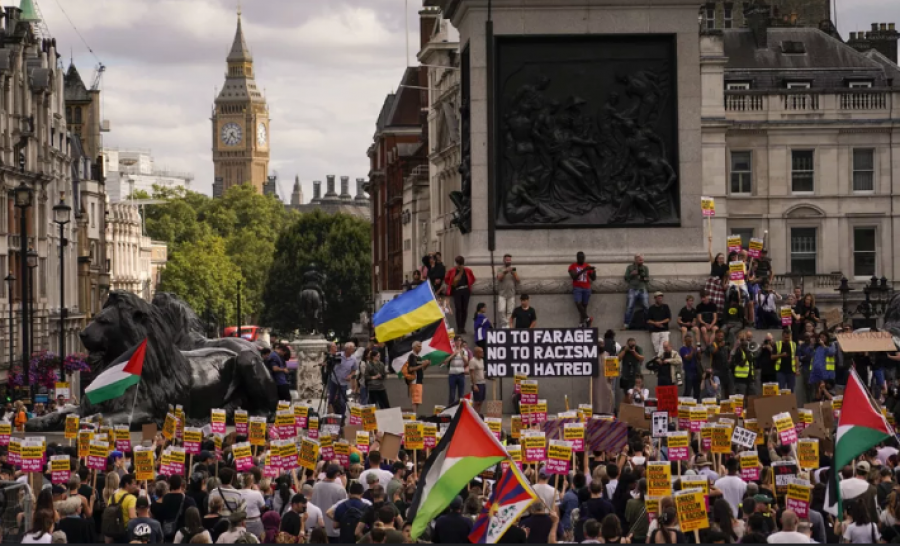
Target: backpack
[112,523]
[170,526]
[349,522]
[246,538]
[638,319]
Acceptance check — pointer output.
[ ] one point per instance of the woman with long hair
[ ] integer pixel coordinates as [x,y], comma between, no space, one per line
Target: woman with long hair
[668,532]
[857,528]
[724,521]
[45,502]
[622,494]
[636,516]
[41,528]
[611,530]
[112,483]
[193,526]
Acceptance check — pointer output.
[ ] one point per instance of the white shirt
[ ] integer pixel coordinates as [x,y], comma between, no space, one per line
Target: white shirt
[384,478]
[733,489]
[788,537]
[314,517]
[546,493]
[852,488]
[255,502]
[644,394]
[29,539]
[861,534]
[611,488]
[885,453]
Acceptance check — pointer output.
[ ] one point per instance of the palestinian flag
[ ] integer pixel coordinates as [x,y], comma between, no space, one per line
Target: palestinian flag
[435,345]
[860,427]
[121,374]
[466,449]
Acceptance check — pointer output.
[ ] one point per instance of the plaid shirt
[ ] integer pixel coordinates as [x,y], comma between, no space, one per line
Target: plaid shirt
[713,287]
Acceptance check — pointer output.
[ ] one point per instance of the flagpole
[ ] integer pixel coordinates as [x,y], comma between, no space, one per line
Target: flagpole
[133,404]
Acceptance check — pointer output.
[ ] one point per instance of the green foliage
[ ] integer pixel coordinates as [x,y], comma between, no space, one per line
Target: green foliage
[339,246]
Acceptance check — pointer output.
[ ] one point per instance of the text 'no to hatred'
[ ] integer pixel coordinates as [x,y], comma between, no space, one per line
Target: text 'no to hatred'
[545,352]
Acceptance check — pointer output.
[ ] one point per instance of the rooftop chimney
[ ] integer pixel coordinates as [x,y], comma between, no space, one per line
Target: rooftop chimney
[317,191]
[757,19]
[360,193]
[883,38]
[345,188]
[330,193]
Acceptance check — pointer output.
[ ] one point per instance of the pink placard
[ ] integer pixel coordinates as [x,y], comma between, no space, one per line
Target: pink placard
[60,476]
[535,454]
[192,448]
[123,445]
[557,466]
[678,454]
[800,507]
[788,436]
[96,463]
[750,474]
[243,463]
[32,465]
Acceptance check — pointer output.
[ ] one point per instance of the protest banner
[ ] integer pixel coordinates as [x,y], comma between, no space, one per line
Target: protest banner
[96,459]
[179,423]
[363,441]
[342,453]
[862,342]
[301,413]
[169,426]
[652,507]
[611,366]
[286,423]
[5,433]
[678,443]
[574,433]
[660,427]
[806,418]
[84,443]
[736,273]
[659,479]
[326,447]
[539,412]
[785,472]
[495,424]
[737,403]
[241,422]
[193,438]
[243,456]
[217,421]
[808,453]
[784,424]
[370,422]
[60,469]
[749,465]
[691,508]
[528,392]
[271,466]
[257,431]
[733,243]
[787,318]
[309,454]
[708,206]
[517,382]
[698,417]
[72,422]
[743,437]
[14,456]
[177,458]
[585,411]
[559,457]
[770,389]
[356,414]
[144,464]
[288,451]
[413,436]
[32,456]
[542,352]
[799,494]
[706,434]
[429,433]
[667,400]
[606,435]
[122,434]
[515,426]
[313,428]
[535,446]
[754,249]
[726,406]
[721,438]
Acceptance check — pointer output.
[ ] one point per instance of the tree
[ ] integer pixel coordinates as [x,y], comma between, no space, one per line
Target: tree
[339,246]
[202,274]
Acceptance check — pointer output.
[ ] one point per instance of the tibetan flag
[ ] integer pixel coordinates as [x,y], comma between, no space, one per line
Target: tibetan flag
[121,374]
[861,427]
[435,345]
[467,448]
[407,313]
[512,495]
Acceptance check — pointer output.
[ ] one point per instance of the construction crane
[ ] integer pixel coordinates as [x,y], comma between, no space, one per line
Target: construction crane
[98,75]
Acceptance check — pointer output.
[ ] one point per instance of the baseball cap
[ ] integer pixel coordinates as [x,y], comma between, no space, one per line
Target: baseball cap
[58,489]
[204,456]
[657,294]
[766,499]
[372,478]
[862,466]
[354,458]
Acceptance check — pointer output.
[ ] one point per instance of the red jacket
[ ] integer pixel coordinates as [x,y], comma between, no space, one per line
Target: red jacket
[448,280]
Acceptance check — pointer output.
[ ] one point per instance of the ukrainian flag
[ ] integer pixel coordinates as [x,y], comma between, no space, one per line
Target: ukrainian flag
[407,313]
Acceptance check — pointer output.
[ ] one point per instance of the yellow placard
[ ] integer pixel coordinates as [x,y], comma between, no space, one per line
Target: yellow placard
[515,453]
[303,411]
[362,438]
[585,411]
[429,430]
[699,414]
[770,389]
[284,418]
[572,432]
[32,450]
[837,402]
[529,387]
[691,507]
[169,426]
[370,424]
[122,433]
[677,440]
[756,245]
[734,242]
[409,416]
[800,492]
[750,460]
[808,453]
[806,416]
[726,406]
[242,450]
[721,439]
[98,449]
[355,412]
[341,448]
[559,451]
[659,479]
[495,424]
[651,505]
[195,435]
[60,465]
[611,366]
[515,426]
[540,407]
[309,454]
[72,422]
[413,435]
[217,416]
[143,464]
[708,208]
[241,417]
[783,422]
[84,442]
[258,431]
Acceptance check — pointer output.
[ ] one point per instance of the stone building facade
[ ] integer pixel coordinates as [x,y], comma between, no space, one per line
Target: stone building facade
[136,261]
[725,14]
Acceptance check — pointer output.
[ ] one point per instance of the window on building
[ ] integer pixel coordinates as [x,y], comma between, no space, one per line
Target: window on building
[741,172]
[863,169]
[710,16]
[798,85]
[77,114]
[802,171]
[42,276]
[745,233]
[93,216]
[803,250]
[864,251]
[860,85]
[728,19]
[737,86]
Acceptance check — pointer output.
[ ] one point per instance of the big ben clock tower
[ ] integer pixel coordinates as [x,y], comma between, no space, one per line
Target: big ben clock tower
[240,123]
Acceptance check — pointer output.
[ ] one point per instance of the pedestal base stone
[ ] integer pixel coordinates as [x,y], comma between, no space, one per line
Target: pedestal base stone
[311,351]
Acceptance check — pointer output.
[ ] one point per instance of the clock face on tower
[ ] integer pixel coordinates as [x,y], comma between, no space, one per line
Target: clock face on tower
[261,136]
[231,134]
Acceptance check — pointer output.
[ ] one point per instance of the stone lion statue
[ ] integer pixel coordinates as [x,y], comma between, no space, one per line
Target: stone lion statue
[181,366]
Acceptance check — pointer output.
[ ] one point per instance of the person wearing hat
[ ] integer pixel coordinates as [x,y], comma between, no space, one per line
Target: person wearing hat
[545,492]
[144,528]
[371,484]
[658,318]
[703,468]
[237,530]
[857,487]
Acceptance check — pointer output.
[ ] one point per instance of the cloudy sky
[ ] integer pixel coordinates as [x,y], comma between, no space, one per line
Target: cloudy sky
[325,65]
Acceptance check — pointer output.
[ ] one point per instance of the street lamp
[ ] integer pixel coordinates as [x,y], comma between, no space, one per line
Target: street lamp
[32,264]
[62,214]
[879,289]
[23,196]
[10,279]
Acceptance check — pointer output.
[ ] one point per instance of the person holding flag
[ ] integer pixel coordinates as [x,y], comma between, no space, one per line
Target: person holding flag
[511,497]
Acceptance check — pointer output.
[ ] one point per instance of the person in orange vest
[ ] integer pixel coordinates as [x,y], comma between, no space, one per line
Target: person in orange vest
[21,416]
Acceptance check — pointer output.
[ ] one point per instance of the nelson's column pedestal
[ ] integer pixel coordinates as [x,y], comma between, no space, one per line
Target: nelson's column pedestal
[580,125]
